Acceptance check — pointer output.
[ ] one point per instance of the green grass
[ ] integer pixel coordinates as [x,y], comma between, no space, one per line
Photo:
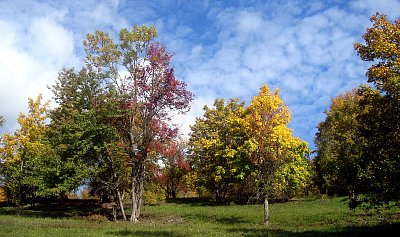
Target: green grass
[310,217]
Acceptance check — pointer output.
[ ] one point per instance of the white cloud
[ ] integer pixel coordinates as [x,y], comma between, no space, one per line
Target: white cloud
[311,59]
[250,22]
[390,7]
[51,42]
[184,121]
[31,56]
[303,47]
[106,13]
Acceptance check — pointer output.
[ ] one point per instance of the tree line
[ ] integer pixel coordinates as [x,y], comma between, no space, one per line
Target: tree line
[113,130]
[358,142]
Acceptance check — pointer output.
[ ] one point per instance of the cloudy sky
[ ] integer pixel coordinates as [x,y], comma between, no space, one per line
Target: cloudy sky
[222,49]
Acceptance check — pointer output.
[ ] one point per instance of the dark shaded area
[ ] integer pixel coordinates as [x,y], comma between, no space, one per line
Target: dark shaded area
[194,201]
[65,209]
[381,230]
[159,233]
[227,220]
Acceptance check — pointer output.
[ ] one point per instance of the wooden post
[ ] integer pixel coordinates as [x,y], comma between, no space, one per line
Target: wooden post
[266,212]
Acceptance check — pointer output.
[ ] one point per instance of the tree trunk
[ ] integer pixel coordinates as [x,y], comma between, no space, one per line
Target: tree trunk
[266,212]
[137,191]
[353,197]
[121,205]
[134,216]
[19,188]
[173,192]
[139,195]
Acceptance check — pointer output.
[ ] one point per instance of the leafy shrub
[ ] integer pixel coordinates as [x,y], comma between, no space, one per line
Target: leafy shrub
[97,218]
[154,194]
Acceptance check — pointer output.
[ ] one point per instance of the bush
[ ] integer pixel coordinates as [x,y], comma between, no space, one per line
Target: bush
[3,196]
[97,218]
[154,194]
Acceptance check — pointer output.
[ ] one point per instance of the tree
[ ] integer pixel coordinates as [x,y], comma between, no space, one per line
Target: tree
[138,72]
[75,130]
[382,46]
[380,120]
[339,146]
[2,192]
[175,167]
[24,152]
[110,179]
[83,131]
[379,128]
[293,178]
[2,121]
[271,142]
[218,148]
[67,135]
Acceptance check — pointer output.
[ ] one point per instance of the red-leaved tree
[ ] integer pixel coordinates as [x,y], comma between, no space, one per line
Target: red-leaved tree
[175,167]
[137,76]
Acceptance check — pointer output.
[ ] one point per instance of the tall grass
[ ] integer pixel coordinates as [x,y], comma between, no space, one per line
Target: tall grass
[310,217]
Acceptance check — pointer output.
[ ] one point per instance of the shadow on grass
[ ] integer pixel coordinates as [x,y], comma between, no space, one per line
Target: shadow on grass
[70,208]
[225,220]
[194,201]
[159,233]
[381,230]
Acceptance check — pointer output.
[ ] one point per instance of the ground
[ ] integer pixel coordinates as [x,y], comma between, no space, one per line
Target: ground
[297,218]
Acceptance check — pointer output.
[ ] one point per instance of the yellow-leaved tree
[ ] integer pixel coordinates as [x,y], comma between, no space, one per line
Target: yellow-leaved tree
[272,144]
[21,150]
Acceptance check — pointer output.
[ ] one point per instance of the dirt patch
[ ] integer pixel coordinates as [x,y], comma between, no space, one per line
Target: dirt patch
[154,219]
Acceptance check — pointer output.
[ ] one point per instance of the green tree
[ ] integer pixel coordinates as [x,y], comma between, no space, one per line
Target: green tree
[82,130]
[110,180]
[293,178]
[380,120]
[74,130]
[339,146]
[218,148]
[379,128]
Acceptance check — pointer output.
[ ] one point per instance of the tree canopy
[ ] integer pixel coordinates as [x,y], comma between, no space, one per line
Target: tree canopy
[137,74]
[238,150]
[112,130]
[358,143]
[218,146]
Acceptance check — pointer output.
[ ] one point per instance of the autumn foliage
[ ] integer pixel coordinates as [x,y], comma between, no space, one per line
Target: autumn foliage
[358,143]
[112,130]
[243,149]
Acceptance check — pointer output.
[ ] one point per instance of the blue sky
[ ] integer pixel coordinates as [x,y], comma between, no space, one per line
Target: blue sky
[222,49]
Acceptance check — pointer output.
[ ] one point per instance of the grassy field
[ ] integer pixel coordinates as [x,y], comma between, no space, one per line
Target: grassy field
[310,217]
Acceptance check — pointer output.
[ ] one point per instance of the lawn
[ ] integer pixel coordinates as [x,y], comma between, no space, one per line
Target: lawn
[309,217]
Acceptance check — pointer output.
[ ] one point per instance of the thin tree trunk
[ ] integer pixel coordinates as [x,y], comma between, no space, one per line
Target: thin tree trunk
[266,212]
[139,189]
[134,217]
[134,175]
[20,177]
[139,197]
[119,197]
[121,205]
[173,191]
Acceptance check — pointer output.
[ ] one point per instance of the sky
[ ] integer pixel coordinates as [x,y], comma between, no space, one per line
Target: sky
[222,49]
